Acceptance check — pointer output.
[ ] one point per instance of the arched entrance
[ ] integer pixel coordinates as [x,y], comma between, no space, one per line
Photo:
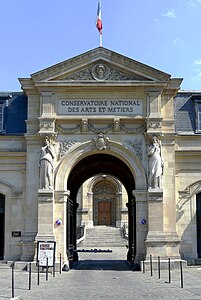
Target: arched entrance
[104,198]
[86,168]
[2,225]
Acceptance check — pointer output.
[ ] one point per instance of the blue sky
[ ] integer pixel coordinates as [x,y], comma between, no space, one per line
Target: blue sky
[164,34]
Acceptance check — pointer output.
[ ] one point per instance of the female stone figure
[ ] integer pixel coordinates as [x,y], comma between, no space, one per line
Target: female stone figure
[155,163]
[46,165]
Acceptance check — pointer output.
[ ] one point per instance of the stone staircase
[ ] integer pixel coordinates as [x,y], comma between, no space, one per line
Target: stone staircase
[103,236]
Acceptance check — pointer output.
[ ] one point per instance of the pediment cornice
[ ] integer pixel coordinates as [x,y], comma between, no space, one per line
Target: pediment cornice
[121,68]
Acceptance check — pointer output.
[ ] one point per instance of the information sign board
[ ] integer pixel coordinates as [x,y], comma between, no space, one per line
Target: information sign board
[46,250]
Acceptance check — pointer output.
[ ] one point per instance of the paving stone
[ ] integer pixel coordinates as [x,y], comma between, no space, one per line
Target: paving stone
[100,277]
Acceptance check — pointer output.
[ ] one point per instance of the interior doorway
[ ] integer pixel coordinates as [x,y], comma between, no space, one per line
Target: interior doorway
[2,225]
[104,213]
[104,203]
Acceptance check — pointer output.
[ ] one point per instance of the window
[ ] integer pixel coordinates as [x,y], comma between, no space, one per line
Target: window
[1,117]
[197,101]
[199,117]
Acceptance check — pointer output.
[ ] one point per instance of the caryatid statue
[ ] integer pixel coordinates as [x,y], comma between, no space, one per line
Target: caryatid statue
[155,163]
[46,165]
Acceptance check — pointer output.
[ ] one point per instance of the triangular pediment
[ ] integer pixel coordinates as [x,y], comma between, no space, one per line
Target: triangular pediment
[100,64]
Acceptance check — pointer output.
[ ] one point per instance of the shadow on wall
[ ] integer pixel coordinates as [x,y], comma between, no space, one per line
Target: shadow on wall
[186,219]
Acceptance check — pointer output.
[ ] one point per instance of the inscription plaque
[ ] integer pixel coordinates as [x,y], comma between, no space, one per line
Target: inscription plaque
[100,107]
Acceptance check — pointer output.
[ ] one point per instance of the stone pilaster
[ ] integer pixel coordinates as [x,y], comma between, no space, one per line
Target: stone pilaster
[156,240]
[141,222]
[118,209]
[60,231]
[90,209]
[31,201]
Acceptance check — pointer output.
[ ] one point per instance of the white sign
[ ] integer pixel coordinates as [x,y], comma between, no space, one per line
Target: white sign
[100,107]
[46,250]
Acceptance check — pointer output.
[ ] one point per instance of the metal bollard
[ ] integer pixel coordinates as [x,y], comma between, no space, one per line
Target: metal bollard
[182,279]
[38,279]
[13,280]
[169,270]
[29,276]
[143,266]
[54,268]
[151,268]
[60,264]
[47,269]
[159,268]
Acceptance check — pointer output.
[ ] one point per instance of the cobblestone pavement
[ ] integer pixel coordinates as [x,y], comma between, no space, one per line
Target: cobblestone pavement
[102,276]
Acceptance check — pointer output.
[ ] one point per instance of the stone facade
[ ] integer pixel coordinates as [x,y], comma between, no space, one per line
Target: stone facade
[100,112]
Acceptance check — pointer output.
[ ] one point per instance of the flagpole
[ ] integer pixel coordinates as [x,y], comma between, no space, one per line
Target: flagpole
[100,40]
[99,24]
[101,33]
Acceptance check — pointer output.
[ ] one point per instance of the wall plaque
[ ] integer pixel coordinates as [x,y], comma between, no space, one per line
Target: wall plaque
[16,233]
[121,107]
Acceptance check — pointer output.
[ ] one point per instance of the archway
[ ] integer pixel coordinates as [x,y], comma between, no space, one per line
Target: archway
[2,225]
[86,168]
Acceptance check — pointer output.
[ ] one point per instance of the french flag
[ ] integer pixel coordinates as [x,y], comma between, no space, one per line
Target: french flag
[99,24]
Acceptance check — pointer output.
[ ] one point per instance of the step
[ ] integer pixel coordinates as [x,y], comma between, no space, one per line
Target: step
[103,236]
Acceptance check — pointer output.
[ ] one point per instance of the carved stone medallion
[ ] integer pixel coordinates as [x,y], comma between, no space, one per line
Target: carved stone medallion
[101,142]
[100,72]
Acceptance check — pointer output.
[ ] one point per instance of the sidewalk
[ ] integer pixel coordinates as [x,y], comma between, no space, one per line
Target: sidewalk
[102,276]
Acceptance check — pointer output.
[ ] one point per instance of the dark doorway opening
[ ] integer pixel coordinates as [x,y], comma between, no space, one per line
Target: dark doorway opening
[85,169]
[2,225]
[198,217]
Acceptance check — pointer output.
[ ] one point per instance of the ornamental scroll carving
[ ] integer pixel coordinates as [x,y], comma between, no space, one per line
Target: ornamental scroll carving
[65,146]
[135,145]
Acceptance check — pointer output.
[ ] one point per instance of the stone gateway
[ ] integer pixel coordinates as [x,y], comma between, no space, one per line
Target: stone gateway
[100,139]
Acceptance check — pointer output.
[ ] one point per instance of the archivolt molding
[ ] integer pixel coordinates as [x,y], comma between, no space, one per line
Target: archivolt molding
[107,178]
[76,154]
[6,189]
[190,191]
